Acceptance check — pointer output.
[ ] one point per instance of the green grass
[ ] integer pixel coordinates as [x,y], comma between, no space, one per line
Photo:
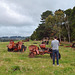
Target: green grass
[16,63]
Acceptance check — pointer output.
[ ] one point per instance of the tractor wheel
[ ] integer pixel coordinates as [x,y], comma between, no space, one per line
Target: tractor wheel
[31,55]
[23,48]
[59,56]
[51,55]
[10,50]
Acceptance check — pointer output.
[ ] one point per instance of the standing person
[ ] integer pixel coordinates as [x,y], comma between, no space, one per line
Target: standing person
[55,49]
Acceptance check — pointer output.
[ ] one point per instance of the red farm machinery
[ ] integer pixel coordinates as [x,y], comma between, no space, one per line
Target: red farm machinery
[16,47]
[35,50]
[72,46]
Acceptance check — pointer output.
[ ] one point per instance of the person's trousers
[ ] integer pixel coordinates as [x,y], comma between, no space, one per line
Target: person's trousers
[56,53]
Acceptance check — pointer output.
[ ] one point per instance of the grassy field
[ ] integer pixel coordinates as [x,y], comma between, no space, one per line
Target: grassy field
[16,63]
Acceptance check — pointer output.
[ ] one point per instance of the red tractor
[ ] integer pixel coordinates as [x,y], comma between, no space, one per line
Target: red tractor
[34,50]
[16,47]
[72,46]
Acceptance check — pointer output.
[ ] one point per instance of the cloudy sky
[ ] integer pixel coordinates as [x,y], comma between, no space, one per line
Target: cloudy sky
[22,17]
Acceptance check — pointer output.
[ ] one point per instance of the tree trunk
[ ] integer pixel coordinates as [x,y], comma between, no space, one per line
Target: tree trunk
[69,35]
[60,37]
[68,31]
[59,33]
[64,39]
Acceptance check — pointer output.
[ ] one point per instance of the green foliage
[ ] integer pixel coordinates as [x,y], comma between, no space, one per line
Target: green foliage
[34,35]
[46,14]
[68,12]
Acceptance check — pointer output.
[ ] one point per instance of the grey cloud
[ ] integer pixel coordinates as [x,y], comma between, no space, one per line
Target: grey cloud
[10,17]
[16,31]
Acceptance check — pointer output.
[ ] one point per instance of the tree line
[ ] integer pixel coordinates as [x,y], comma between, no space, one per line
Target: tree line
[59,23]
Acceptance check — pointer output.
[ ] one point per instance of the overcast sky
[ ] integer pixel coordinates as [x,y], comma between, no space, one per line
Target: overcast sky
[22,17]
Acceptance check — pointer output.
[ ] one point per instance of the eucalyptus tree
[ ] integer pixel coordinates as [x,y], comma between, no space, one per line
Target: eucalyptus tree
[67,20]
[72,19]
[59,15]
[50,24]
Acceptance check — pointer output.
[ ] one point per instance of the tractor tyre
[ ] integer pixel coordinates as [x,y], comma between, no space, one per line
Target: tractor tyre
[51,55]
[31,55]
[10,50]
[23,48]
[59,56]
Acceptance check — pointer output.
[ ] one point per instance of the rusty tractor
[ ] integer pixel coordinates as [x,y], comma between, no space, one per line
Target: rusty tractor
[72,46]
[16,47]
[35,50]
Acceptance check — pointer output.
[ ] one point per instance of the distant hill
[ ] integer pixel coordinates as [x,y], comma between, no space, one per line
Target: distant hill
[6,38]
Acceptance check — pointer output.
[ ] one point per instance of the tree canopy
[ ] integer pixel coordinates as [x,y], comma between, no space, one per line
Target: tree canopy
[60,23]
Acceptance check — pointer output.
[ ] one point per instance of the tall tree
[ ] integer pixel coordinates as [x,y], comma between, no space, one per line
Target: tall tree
[72,18]
[50,23]
[67,21]
[59,14]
